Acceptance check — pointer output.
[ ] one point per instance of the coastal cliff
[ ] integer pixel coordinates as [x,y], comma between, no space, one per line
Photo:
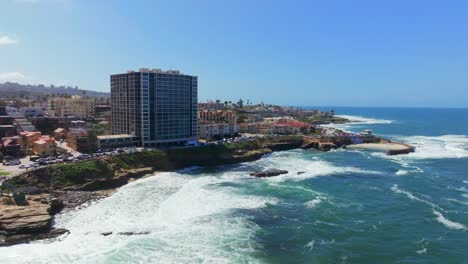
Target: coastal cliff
[68,185]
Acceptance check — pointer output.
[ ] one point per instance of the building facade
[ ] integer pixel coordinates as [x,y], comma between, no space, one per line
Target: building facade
[216,123]
[74,106]
[159,107]
[45,146]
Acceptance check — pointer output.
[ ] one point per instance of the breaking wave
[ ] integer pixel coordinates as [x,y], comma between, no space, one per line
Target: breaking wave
[449,224]
[302,169]
[184,219]
[440,217]
[365,120]
[439,147]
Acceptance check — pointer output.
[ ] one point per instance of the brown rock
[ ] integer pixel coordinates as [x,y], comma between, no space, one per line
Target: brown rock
[25,220]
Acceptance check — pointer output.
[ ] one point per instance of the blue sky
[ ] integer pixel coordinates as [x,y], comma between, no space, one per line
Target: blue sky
[340,53]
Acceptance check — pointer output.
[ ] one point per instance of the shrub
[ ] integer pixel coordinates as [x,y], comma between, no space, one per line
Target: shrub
[68,174]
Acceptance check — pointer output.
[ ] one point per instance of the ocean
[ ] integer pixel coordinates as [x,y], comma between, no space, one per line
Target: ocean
[347,206]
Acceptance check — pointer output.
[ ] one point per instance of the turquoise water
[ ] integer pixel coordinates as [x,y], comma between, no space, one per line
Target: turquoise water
[347,206]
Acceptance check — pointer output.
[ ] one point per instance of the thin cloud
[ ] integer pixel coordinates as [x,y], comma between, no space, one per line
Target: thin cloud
[12,77]
[18,77]
[6,40]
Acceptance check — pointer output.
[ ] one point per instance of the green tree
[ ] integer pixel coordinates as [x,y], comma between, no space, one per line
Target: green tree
[240,103]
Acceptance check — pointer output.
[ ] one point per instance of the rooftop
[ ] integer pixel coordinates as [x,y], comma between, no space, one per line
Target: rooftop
[115,136]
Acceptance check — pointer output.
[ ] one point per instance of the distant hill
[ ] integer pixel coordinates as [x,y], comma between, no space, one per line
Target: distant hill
[15,89]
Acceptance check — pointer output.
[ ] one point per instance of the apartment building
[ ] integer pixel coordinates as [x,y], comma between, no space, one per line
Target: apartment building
[74,106]
[158,107]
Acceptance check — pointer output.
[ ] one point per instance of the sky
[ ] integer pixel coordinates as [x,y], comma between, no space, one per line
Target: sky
[304,53]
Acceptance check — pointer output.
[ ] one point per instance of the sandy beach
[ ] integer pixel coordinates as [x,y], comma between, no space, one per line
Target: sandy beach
[385,147]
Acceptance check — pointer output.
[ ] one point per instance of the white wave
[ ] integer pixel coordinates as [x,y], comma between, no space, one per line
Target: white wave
[313,203]
[310,245]
[465,182]
[422,251]
[401,172]
[365,120]
[465,195]
[438,147]
[395,189]
[456,201]
[440,217]
[462,189]
[449,224]
[189,219]
[302,169]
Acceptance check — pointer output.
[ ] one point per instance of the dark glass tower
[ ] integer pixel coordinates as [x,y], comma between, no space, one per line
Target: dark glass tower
[159,107]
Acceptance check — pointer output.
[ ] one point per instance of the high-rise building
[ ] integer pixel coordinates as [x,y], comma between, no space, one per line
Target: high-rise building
[159,107]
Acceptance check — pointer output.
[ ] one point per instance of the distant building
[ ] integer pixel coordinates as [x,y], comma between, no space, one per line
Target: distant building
[74,106]
[103,111]
[33,112]
[212,123]
[210,105]
[216,116]
[288,128]
[9,146]
[276,127]
[159,107]
[27,138]
[7,131]
[60,133]
[208,131]
[78,139]
[6,120]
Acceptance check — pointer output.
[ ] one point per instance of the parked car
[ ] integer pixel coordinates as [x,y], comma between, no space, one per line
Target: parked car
[12,163]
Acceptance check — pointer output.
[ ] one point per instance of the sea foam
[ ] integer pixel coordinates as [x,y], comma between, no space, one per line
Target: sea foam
[185,219]
[302,169]
[365,120]
[447,146]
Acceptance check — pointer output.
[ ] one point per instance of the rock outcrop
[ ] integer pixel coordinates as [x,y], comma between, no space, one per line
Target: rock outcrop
[268,173]
[20,224]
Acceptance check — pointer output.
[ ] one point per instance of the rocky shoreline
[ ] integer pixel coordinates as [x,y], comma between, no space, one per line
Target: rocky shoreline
[65,187]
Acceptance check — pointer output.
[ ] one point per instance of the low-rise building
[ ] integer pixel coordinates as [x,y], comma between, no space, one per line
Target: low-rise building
[276,127]
[117,141]
[45,146]
[60,133]
[6,120]
[77,139]
[213,123]
[210,105]
[212,130]
[7,131]
[33,112]
[27,138]
[288,128]
[10,146]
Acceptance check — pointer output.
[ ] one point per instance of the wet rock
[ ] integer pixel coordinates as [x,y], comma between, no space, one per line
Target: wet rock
[268,173]
[300,172]
[132,233]
[56,205]
[73,199]
[106,233]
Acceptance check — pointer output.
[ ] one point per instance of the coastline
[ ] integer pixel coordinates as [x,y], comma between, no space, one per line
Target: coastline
[390,148]
[69,186]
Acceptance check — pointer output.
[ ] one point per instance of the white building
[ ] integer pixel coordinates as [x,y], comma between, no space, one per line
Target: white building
[208,131]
